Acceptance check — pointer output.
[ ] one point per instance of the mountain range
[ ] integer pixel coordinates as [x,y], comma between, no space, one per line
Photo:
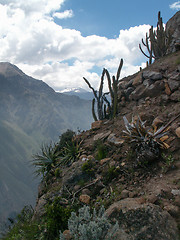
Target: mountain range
[31,113]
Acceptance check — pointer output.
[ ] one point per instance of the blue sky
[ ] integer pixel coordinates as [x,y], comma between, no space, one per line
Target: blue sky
[107,17]
[62,41]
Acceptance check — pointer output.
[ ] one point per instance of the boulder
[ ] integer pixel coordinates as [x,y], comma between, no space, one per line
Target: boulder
[173,28]
[96,124]
[178,132]
[142,221]
[152,75]
[101,136]
[173,84]
[84,198]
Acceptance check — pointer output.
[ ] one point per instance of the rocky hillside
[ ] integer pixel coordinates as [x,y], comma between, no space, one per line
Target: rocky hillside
[129,164]
[32,113]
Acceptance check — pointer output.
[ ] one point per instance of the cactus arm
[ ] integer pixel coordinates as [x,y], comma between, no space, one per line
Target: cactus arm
[93,110]
[119,69]
[89,85]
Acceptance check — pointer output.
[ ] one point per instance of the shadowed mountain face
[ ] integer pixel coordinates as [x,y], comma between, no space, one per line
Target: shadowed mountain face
[30,113]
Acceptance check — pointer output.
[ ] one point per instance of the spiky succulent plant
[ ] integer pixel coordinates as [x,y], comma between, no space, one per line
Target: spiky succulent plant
[147,143]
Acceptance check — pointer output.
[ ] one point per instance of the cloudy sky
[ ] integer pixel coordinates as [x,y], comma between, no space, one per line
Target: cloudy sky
[62,41]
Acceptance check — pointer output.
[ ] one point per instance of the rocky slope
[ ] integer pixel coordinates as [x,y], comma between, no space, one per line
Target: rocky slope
[139,187]
[145,200]
[31,113]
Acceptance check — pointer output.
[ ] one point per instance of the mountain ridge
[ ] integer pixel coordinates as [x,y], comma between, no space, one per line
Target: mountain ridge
[32,113]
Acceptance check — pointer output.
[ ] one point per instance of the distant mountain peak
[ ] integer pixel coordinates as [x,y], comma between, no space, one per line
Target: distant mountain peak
[9,70]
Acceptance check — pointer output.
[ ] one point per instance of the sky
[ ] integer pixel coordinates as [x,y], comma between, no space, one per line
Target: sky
[62,41]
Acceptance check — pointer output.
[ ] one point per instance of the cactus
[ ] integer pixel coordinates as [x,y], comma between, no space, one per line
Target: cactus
[105,109]
[157,42]
[113,87]
[93,110]
[99,98]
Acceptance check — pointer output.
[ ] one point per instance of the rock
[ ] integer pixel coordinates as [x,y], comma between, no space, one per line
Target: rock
[152,198]
[113,139]
[101,136]
[137,80]
[84,198]
[137,93]
[105,160]
[175,96]
[129,84]
[178,132]
[173,28]
[147,82]
[124,194]
[157,122]
[152,75]
[86,191]
[151,91]
[167,89]
[96,124]
[128,91]
[67,235]
[40,208]
[173,84]
[172,210]
[143,221]
[175,192]
[83,157]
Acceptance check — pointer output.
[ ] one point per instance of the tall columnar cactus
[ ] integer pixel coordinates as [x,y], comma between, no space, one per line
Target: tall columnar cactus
[105,109]
[98,97]
[113,88]
[157,42]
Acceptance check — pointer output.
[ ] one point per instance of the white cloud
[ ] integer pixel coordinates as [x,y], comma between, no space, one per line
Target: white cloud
[65,14]
[175,5]
[61,57]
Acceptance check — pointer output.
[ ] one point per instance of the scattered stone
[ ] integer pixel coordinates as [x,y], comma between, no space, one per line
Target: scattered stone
[173,84]
[67,235]
[101,136]
[157,122]
[167,89]
[86,191]
[173,26]
[143,221]
[178,132]
[105,160]
[90,157]
[175,192]
[124,194]
[96,124]
[152,198]
[113,139]
[137,80]
[175,96]
[152,75]
[128,91]
[83,157]
[84,198]
[172,210]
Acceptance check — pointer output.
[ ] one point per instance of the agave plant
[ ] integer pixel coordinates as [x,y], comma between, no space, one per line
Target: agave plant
[45,161]
[70,152]
[147,143]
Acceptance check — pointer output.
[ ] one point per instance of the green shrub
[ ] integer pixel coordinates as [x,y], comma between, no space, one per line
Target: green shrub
[87,226]
[23,227]
[110,174]
[56,218]
[101,150]
[64,139]
[88,168]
